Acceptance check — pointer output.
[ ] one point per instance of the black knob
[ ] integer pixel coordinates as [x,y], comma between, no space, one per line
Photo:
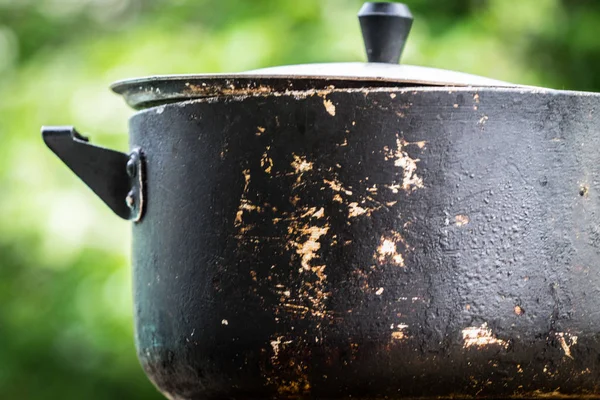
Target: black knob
[385,28]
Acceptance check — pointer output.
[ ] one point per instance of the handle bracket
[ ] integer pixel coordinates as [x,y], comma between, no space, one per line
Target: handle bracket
[116,178]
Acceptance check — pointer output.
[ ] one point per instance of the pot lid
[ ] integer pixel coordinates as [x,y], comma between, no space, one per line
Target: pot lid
[385,28]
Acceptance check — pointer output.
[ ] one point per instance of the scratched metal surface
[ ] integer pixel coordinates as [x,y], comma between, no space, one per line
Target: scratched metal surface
[389,243]
[150,91]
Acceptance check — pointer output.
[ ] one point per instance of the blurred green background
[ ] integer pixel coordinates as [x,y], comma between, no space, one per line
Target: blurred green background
[65,297]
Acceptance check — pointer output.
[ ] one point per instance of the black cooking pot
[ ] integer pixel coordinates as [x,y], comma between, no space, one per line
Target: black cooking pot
[358,230]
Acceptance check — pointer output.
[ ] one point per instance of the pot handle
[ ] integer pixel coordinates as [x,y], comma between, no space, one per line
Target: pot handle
[117,178]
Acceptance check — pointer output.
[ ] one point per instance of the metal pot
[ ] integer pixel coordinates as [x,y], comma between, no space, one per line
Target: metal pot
[358,230]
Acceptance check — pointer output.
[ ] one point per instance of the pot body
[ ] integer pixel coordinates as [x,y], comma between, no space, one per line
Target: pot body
[417,242]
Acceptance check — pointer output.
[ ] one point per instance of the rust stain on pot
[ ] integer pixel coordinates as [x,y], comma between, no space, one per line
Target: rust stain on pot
[355,210]
[547,371]
[266,162]
[225,88]
[295,387]
[300,164]
[303,291]
[483,120]
[410,180]
[556,395]
[336,186]
[461,220]
[295,308]
[387,251]
[329,107]
[399,332]
[303,94]
[276,344]
[245,204]
[481,336]
[398,335]
[518,310]
[246,173]
[308,245]
[306,227]
[291,377]
[519,369]
[566,340]
[313,212]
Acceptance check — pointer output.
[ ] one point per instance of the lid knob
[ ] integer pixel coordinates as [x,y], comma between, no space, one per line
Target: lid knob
[385,28]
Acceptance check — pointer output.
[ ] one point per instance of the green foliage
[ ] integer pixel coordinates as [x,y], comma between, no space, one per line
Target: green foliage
[65,297]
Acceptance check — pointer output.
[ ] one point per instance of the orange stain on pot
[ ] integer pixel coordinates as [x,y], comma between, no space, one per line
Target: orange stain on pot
[410,180]
[245,204]
[480,336]
[518,310]
[336,186]
[399,332]
[307,248]
[300,164]
[354,210]
[266,162]
[329,107]
[461,220]
[387,251]
[566,340]
[304,233]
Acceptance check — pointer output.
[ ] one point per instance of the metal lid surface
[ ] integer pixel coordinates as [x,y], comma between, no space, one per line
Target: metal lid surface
[385,28]
[399,73]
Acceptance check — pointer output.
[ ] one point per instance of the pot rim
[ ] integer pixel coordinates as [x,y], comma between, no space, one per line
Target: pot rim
[160,89]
